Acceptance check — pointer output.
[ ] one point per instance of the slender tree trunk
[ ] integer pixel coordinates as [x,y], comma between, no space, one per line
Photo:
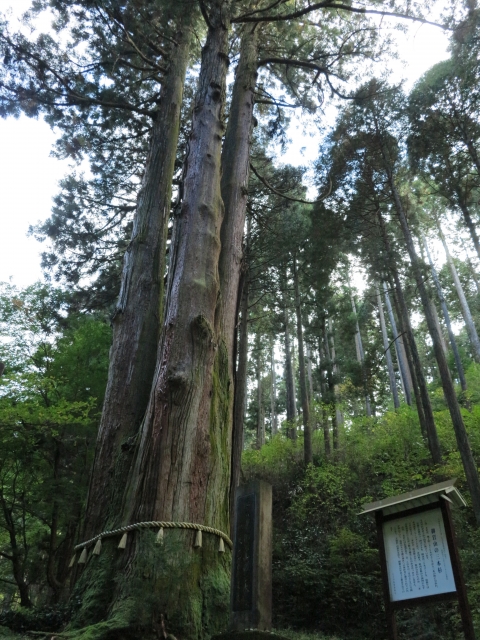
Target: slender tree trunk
[289,380]
[446,315]
[422,399]
[331,389]
[139,309]
[308,357]
[400,349]
[260,411]
[447,384]
[469,224]
[472,268]
[338,413]
[273,391]
[467,316]
[388,355]
[361,359]
[324,392]
[307,433]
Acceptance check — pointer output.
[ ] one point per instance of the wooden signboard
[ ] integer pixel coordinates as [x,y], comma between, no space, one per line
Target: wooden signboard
[418,552]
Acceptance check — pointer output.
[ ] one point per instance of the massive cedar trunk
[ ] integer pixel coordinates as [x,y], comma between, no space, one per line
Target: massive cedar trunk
[463,444]
[138,313]
[446,317]
[467,316]
[388,355]
[307,433]
[181,466]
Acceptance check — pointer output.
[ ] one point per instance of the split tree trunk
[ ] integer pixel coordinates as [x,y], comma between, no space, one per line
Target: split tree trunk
[181,468]
[138,314]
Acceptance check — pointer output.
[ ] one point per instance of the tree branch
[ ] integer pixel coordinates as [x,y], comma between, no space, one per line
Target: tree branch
[327,4]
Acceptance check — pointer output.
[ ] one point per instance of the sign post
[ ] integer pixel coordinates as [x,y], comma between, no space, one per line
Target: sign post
[418,552]
[252,558]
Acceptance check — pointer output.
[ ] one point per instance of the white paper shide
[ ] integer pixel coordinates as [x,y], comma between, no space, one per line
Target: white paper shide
[418,559]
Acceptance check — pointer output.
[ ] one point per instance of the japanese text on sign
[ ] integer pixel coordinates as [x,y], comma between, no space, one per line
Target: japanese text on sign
[418,560]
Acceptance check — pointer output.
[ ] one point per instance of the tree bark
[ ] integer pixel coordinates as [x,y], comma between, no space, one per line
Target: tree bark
[388,355]
[446,316]
[400,350]
[463,444]
[466,313]
[307,433]
[234,183]
[138,313]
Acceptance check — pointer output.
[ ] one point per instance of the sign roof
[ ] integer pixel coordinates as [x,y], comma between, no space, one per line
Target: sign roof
[417,498]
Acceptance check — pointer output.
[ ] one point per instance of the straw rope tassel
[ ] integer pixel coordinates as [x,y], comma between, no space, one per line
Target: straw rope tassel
[83,556]
[159,538]
[123,541]
[221,546]
[98,547]
[72,561]
[198,539]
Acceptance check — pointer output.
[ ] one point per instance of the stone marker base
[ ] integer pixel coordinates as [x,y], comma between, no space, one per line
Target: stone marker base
[253,634]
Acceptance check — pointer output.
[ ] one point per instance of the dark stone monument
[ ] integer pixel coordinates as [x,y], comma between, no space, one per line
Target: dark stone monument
[251,595]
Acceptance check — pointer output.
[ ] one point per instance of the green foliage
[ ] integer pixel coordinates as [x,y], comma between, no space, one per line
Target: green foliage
[326,565]
[50,396]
